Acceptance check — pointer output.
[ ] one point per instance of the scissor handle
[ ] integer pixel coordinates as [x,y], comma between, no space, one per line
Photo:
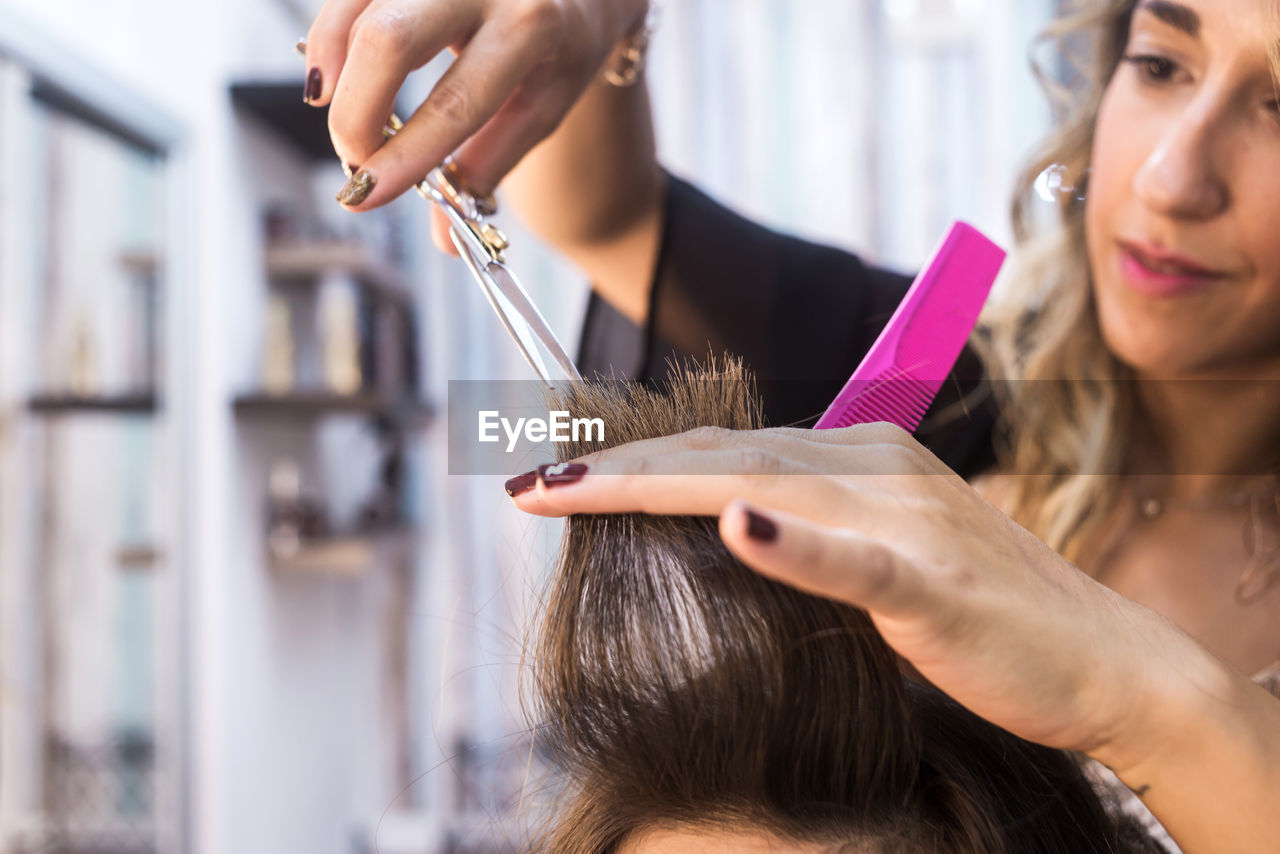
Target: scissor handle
[480,246]
[465,212]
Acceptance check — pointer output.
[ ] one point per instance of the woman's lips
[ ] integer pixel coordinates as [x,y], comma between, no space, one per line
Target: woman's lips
[1162,275]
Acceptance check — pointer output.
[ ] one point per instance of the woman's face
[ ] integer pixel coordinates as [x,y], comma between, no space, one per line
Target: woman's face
[1183,210]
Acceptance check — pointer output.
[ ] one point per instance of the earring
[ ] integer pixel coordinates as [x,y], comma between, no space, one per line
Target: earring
[1056,184]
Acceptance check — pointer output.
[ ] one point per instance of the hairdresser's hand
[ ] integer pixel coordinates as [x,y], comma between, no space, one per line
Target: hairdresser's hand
[520,66]
[867,515]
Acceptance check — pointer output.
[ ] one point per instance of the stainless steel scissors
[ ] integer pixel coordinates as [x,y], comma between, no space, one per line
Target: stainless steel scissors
[482,246]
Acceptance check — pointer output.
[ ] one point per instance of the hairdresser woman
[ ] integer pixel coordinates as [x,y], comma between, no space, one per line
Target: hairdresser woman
[1169,274]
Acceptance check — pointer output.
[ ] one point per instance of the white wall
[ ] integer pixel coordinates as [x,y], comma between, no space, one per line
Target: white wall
[844,121]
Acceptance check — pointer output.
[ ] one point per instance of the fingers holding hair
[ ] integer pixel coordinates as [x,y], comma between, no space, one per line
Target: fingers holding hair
[661,486]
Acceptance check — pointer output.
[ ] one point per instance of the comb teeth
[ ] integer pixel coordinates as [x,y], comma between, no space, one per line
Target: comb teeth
[914,353]
[898,398]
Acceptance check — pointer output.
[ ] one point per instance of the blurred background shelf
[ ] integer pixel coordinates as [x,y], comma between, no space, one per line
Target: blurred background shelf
[279,105]
[141,261]
[307,261]
[318,404]
[138,556]
[139,403]
[342,556]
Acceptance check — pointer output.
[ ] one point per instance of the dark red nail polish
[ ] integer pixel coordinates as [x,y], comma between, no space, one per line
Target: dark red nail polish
[315,85]
[562,473]
[760,528]
[521,484]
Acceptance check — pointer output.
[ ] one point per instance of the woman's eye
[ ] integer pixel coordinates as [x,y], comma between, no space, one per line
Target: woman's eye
[1156,69]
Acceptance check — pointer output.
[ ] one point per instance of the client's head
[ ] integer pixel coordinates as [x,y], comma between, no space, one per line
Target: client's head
[694,705]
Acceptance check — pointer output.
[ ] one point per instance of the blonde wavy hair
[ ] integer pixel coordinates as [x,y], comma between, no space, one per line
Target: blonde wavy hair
[1068,404]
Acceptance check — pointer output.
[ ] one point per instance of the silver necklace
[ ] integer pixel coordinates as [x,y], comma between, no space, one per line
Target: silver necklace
[1260,534]
[1154,506]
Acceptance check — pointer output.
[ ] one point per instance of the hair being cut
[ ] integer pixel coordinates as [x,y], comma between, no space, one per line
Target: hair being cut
[677,688]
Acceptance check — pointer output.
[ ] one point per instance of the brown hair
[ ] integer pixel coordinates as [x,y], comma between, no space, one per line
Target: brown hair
[1067,407]
[678,688]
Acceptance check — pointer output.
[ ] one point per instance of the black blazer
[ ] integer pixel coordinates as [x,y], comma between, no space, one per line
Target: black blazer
[800,315]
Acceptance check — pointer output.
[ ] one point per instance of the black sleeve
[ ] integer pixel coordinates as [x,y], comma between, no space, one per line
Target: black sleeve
[800,315]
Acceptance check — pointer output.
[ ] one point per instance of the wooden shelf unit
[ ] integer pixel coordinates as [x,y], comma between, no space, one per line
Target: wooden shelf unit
[305,263]
[318,404]
[134,403]
[347,556]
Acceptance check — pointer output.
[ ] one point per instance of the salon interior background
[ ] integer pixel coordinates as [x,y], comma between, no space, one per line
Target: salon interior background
[243,607]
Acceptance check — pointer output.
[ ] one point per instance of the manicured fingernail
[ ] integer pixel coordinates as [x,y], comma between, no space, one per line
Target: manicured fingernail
[315,85]
[561,474]
[521,484]
[760,528]
[357,188]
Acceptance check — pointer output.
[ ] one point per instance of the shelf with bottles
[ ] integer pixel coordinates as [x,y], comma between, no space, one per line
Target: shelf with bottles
[339,337]
[100,347]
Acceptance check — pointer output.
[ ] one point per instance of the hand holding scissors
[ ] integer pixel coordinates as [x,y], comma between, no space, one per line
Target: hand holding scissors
[481,245]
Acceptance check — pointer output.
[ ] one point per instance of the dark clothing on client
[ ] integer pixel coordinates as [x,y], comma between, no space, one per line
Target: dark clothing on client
[800,315]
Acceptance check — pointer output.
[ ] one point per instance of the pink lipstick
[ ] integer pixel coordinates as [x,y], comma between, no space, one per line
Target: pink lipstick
[1155,272]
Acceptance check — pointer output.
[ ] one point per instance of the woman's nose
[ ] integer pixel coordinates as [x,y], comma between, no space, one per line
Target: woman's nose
[1181,177]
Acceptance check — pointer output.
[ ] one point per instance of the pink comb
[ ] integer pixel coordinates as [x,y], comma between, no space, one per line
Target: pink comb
[907,365]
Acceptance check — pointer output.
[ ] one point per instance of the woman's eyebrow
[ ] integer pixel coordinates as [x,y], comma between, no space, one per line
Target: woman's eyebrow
[1174,14]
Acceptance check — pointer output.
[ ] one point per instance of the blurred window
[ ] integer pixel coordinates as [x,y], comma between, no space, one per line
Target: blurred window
[95,656]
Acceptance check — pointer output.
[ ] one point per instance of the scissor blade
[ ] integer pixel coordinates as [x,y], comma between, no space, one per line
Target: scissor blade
[507,313]
[503,290]
[516,296]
